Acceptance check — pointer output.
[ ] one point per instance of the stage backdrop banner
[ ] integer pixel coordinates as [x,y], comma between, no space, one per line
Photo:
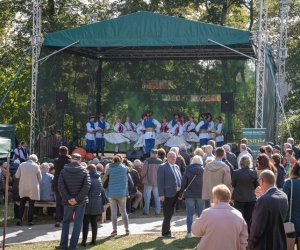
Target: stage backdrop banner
[256,138]
[5,145]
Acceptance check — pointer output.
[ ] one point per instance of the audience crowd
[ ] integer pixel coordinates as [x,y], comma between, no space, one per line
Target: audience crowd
[240,200]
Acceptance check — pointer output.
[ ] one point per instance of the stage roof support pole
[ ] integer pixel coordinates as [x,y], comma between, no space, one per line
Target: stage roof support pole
[36,43]
[99,87]
[281,57]
[262,40]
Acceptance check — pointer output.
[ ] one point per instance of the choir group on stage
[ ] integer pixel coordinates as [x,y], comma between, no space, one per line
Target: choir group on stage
[149,132]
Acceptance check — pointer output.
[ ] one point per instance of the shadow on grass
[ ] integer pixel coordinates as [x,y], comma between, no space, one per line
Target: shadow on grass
[166,244]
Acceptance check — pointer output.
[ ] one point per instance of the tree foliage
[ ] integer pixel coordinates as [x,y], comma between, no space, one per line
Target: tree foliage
[78,75]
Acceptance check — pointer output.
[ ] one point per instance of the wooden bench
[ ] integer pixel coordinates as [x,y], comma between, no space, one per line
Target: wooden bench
[43,204]
[46,204]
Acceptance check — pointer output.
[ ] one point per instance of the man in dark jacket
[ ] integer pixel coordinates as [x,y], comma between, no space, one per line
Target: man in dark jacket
[73,185]
[230,156]
[267,231]
[59,164]
[136,196]
[149,176]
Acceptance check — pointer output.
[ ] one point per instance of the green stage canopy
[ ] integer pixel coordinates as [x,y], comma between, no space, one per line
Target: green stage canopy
[146,35]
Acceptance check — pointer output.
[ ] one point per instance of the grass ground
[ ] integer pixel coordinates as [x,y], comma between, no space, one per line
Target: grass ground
[132,242]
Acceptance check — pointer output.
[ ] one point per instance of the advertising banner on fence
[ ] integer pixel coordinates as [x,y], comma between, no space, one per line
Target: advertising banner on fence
[256,138]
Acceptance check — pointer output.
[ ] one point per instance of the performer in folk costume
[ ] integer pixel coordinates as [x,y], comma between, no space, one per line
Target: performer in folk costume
[211,126]
[130,126]
[219,132]
[130,132]
[188,129]
[90,134]
[20,152]
[101,126]
[117,136]
[140,143]
[164,125]
[173,122]
[150,125]
[164,134]
[202,127]
[177,137]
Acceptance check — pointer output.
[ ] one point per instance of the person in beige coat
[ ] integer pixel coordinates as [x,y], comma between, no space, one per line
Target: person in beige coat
[30,176]
[221,226]
[215,173]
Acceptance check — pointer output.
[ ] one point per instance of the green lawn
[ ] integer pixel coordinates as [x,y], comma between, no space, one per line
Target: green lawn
[133,242]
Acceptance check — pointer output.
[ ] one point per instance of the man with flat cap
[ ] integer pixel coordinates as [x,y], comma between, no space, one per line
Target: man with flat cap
[149,176]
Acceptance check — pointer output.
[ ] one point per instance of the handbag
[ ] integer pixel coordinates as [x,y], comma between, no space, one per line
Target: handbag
[289,225]
[105,183]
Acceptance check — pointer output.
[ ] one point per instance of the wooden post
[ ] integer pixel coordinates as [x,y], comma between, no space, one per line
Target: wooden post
[6,202]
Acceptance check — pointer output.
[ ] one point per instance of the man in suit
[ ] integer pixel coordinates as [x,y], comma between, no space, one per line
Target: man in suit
[169,184]
[267,231]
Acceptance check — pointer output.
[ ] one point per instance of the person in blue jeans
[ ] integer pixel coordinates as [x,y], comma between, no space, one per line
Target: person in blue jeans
[73,185]
[149,175]
[191,190]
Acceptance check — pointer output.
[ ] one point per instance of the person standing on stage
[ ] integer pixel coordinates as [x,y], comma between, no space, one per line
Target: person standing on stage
[130,126]
[202,128]
[130,133]
[90,134]
[101,125]
[164,125]
[173,122]
[150,124]
[119,128]
[211,126]
[219,132]
[189,126]
[163,135]
[21,152]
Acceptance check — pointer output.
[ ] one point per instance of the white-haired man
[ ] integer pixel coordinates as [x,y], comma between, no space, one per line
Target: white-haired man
[169,185]
[30,176]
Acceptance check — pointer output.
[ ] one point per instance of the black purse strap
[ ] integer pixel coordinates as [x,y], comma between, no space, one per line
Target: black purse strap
[189,184]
